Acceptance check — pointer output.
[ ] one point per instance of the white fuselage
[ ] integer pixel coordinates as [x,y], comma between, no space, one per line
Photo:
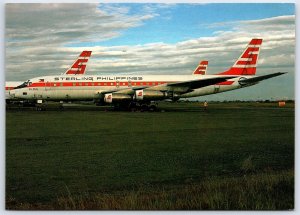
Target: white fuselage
[87,87]
[10,85]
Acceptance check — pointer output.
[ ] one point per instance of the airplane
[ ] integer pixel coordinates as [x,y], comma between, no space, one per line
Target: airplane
[140,90]
[77,68]
[202,68]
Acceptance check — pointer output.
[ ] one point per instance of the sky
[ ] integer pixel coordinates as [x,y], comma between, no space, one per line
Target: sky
[44,39]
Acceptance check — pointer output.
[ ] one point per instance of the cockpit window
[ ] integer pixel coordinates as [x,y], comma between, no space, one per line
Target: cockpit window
[25,84]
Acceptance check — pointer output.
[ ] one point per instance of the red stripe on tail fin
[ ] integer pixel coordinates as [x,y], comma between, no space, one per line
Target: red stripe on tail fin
[246,63]
[85,54]
[79,66]
[201,69]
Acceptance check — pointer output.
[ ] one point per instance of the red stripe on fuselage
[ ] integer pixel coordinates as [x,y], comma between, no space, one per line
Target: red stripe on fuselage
[105,84]
[9,88]
[94,84]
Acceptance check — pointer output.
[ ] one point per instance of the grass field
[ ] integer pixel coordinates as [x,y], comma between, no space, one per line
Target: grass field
[234,156]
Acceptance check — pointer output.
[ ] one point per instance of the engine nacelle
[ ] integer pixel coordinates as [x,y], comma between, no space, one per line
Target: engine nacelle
[241,81]
[173,96]
[116,97]
[149,95]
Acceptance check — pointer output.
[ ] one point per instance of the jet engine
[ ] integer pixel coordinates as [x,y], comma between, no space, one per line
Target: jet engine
[242,81]
[116,97]
[149,95]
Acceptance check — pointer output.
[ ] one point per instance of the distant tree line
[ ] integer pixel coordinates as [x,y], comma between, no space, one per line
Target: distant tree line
[236,101]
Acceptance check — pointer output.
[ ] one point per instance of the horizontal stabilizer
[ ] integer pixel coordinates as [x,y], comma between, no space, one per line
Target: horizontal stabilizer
[260,78]
[200,82]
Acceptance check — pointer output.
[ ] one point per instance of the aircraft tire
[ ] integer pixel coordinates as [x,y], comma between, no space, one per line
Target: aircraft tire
[152,108]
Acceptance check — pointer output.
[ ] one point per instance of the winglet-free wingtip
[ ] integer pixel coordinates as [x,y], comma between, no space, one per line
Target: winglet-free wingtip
[260,78]
[280,73]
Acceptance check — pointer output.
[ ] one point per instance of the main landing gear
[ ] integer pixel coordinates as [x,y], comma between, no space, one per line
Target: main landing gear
[135,106]
[42,105]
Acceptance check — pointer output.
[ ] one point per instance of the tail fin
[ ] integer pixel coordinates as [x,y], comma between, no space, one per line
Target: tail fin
[78,67]
[246,63]
[201,69]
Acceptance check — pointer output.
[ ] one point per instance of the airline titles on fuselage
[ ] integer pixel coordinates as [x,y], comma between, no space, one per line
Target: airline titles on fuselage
[99,78]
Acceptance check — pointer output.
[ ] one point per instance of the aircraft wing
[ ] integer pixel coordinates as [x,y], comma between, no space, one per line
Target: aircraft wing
[200,82]
[260,78]
[184,85]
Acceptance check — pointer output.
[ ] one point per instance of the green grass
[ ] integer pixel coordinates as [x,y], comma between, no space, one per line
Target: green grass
[264,191]
[76,159]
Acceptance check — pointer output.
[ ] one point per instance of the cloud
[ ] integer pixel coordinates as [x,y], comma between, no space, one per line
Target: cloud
[221,50]
[39,40]
[53,24]
[39,32]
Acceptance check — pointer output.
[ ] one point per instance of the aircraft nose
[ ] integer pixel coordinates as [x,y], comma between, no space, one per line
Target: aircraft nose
[12,94]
